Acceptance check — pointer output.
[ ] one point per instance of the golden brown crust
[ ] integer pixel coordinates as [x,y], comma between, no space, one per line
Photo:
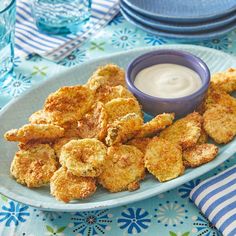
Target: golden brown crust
[34,166]
[123,129]
[94,123]
[120,107]
[185,131]
[107,93]
[124,168]
[69,104]
[84,157]
[220,123]
[199,154]
[225,81]
[66,187]
[203,136]
[163,159]
[157,124]
[108,75]
[40,117]
[59,143]
[33,132]
[217,97]
[140,143]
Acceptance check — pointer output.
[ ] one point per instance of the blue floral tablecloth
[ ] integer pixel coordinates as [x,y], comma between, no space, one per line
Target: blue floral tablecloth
[168,214]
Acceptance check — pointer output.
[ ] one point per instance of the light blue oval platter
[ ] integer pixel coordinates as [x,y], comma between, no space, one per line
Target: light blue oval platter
[183,10]
[16,113]
[186,27]
[182,36]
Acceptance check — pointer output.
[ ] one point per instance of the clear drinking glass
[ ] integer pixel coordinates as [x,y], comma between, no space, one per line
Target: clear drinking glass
[60,16]
[7,30]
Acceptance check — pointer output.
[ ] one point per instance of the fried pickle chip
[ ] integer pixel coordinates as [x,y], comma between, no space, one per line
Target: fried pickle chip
[40,117]
[199,154]
[185,131]
[94,123]
[107,93]
[217,97]
[66,187]
[84,157]
[32,132]
[163,159]
[123,169]
[140,143]
[158,123]
[123,129]
[71,130]
[220,123]
[69,104]
[120,107]
[203,137]
[34,166]
[225,81]
[108,75]
[59,143]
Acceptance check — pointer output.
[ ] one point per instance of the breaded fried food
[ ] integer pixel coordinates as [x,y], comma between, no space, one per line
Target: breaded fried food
[71,130]
[158,123]
[199,154]
[163,159]
[59,143]
[65,186]
[32,132]
[217,97]
[220,123]
[34,166]
[185,131]
[108,75]
[225,81]
[123,169]
[40,117]
[107,93]
[94,123]
[84,157]
[120,107]
[69,104]
[203,136]
[140,143]
[123,129]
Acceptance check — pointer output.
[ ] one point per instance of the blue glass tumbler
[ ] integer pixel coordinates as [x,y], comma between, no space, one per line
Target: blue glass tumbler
[7,31]
[61,16]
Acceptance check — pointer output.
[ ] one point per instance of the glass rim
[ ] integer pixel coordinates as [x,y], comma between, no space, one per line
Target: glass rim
[9,6]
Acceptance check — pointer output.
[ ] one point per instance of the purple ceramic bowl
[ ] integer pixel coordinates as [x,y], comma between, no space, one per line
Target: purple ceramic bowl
[180,106]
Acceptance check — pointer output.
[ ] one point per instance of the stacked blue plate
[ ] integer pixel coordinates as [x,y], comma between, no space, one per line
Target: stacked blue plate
[182,19]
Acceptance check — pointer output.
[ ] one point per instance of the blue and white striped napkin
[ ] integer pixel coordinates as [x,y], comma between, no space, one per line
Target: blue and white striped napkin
[216,198]
[28,40]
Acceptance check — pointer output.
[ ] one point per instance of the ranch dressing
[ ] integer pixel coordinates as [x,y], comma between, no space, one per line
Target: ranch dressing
[168,81]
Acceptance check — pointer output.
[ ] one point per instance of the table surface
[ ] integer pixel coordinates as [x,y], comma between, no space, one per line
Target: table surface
[168,214]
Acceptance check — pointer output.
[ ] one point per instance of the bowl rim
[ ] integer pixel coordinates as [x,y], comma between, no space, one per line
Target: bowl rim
[185,55]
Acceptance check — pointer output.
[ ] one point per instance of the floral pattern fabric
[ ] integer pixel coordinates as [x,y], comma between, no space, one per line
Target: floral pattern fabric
[168,214]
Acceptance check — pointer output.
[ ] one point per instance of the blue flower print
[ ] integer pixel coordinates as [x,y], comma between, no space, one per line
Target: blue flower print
[76,57]
[185,189]
[16,85]
[14,214]
[117,20]
[134,220]
[48,215]
[171,214]
[222,43]
[124,38]
[91,223]
[203,227]
[153,40]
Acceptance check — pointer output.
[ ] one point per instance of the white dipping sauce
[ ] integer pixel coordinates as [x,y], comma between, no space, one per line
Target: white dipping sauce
[168,81]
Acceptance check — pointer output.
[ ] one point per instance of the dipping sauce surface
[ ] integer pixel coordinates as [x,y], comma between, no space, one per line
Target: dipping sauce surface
[168,81]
